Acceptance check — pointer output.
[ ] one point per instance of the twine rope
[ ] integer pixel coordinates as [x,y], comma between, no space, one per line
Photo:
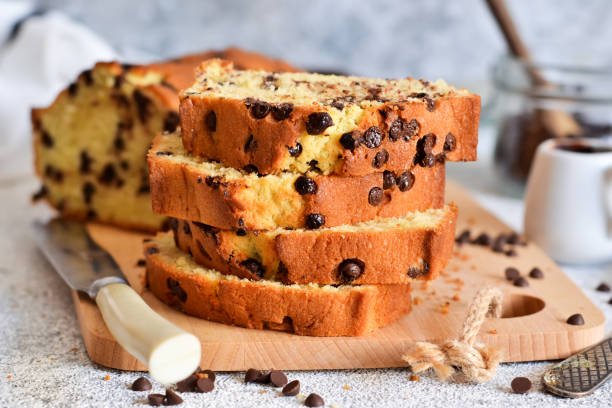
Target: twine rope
[476,361]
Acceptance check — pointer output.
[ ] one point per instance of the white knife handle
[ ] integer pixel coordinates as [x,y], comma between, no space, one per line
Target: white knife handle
[171,353]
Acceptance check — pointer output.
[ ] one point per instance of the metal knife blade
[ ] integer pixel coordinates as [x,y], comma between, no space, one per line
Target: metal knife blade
[82,264]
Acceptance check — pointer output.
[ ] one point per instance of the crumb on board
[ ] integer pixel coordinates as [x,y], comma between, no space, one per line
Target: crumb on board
[75,349]
[492,331]
[346,387]
[417,301]
[52,358]
[9,376]
[262,391]
[456,297]
[107,377]
[415,378]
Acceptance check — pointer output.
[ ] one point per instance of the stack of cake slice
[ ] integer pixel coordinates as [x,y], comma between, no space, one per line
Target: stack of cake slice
[304,202]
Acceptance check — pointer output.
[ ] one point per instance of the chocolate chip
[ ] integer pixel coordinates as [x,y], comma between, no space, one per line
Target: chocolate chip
[254,266]
[241,232]
[429,160]
[314,400]
[41,193]
[406,181]
[278,378]
[427,143]
[610,301]
[210,374]
[282,111]
[399,129]
[141,262]
[152,250]
[514,238]
[156,399]
[88,190]
[251,375]
[291,389]
[414,271]
[73,88]
[250,145]
[350,140]
[388,179]
[449,142]
[372,137]
[91,214]
[141,384]
[176,289]
[264,378]
[483,239]
[317,123]
[171,121]
[259,109]
[87,76]
[46,139]
[380,159]
[305,185]
[520,385]
[295,151]
[143,104]
[108,174]
[463,238]
[172,398]
[85,162]
[430,104]
[575,320]
[511,252]
[512,273]
[499,244]
[250,169]
[315,221]
[119,143]
[188,384]
[186,228]
[205,385]
[210,120]
[603,287]
[375,196]
[350,269]
[521,282]
[536,273]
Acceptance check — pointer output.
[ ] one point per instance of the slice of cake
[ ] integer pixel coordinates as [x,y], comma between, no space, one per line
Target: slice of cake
[90,144]
[189,188]
[383,251]
[311,310]
[341,125]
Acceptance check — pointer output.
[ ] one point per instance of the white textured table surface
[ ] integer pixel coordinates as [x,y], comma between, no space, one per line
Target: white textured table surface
[43,361]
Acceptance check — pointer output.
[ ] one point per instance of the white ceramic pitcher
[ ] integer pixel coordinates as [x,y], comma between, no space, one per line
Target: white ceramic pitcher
[568,203]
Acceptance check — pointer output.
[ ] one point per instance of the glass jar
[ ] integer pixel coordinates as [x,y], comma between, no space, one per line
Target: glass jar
[522,109]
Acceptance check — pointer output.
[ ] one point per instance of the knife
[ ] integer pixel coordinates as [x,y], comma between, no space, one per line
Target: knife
[171,353]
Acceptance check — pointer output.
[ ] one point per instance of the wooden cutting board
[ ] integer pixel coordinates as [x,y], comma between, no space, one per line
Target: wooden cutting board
[533,325]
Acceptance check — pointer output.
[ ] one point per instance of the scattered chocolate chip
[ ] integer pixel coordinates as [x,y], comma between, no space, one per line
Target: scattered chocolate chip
[46,139]
[156,399]
[85,162]
[259,109]
[152,250]
[88,191]
[396,130]
[91,214]
[205,385]
[521,282]
[209,374]
[372,137]
[143,104]
[499,244]
[483,239]
[250,145]
[314,400]
[375,196]
[108,174]
[449,143]
[575,320]
[73,88]
[210,120]
[315,221]
[603,287]
[463,238]
[512,273]
[141,262]
[414,271]
[251,375]
[350,269]
[513,238]
[350,140]
[250,169]
[188,384]
[278,378]
[295,151]
[388,179]
[305,185]
[511,252]
[291,389]
[536,273]
[282,111]
[254,266]
[380,159]
[264,378]
[427,143]
[141,384]
[119,143]
[41,193]
[520,385]
[610,301]
[87,77]
[406,181]
[317,123]
[172,398]
[171,121]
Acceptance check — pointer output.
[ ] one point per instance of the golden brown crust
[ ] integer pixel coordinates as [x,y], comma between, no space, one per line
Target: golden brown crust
[181,190]
[303,310]
[457,115]
[389,256]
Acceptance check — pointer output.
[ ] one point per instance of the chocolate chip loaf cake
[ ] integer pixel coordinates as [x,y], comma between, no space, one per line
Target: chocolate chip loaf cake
[311,310]
[273,122]
[189,188]
[90,144]
[383,251]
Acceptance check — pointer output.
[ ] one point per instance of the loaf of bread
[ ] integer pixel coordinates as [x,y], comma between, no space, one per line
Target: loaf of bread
[383,251]
[90,144]
[192,189]
[276,122]
[311,310]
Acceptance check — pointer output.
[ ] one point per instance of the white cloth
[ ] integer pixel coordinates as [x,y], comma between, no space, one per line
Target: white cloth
[48,53]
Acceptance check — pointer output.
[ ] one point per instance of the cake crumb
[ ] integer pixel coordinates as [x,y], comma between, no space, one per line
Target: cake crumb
[417,301]
[493,331]
[75,349]
[473,267]
[52,358]
[107,377]
[202,375]
[346,387]
[456,297]
[415,378]
[9,376]
[262,391]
